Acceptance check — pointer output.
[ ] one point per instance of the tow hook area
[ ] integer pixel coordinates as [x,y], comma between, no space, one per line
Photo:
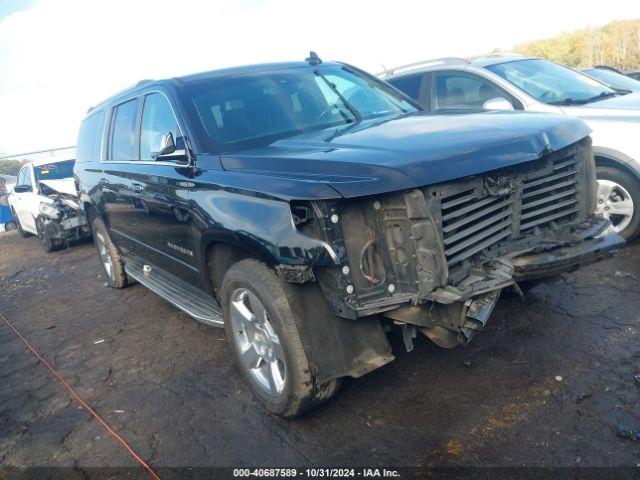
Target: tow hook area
[447,325]
[474,314]
[478,312]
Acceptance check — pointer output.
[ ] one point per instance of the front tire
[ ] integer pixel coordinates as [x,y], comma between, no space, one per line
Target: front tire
[110,258]
[619,200]
[265,341]
[49,244]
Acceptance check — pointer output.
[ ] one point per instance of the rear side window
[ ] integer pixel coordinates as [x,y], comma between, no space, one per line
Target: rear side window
[90,138]
[410,85]
[123,131]
[157,121]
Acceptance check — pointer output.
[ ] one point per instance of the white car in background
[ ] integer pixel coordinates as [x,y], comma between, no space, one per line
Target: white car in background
[455,85]
[44,202]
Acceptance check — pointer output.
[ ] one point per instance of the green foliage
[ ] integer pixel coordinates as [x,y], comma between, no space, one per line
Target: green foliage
[10,167]
[617,44]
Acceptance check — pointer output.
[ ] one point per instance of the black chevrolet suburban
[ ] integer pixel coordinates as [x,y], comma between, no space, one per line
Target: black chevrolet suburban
[310,208]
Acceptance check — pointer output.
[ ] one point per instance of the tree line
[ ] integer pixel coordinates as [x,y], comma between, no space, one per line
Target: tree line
[10,167]
[616,44]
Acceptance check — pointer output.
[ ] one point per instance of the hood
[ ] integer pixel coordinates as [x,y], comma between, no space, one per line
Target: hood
[410,151]
[63,185]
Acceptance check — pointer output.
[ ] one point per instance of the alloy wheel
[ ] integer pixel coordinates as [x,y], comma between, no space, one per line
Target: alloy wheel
[615,203]
[105,258]
[258,344]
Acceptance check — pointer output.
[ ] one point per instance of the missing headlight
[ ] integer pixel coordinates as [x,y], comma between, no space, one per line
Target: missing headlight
[301,214]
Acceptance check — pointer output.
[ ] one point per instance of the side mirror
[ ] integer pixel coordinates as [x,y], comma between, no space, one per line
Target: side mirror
[169,151]
[22,188]
[167,145]
[497,103]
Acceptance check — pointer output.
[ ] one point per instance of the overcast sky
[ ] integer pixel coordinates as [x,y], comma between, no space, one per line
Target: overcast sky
[59,57]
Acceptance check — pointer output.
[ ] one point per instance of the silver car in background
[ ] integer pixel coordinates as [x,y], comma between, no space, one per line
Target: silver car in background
[614,79]
[509,82]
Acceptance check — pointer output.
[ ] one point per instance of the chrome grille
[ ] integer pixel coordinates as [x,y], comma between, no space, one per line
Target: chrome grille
[551,198]
[471,224]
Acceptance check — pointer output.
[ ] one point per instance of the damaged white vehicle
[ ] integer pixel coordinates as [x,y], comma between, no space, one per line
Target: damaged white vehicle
[44,202]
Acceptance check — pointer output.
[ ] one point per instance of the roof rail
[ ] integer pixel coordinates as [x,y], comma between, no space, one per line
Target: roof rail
[130,87]
[424,63]
[495,55]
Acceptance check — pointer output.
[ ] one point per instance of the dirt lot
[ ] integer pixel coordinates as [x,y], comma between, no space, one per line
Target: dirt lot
[166,383]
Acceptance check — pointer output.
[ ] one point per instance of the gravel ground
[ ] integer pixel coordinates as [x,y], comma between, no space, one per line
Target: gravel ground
[549,381]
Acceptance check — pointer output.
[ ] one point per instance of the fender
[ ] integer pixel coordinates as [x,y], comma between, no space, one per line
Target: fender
[618,157]
[257,224]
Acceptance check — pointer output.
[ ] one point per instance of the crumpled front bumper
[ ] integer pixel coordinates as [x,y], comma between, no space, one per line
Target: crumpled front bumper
[70,228]
[565,259]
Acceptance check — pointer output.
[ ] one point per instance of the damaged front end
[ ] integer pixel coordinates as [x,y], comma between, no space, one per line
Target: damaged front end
[61,219]
[435,259]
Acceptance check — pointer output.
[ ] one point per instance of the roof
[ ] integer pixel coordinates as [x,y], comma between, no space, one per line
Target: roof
[496,59]
[225,72]
[440,63]
[418,66]
[248,69]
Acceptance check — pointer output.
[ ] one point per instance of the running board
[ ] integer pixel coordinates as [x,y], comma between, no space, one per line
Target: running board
[191,300]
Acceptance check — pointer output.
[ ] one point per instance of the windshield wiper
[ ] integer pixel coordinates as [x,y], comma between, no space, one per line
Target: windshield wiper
[582,101]
[569,101]
[350,107]
[600,96]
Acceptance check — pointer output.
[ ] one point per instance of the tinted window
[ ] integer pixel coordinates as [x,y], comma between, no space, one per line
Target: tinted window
[454,91]
[123,131]
[551,83]
[157,120]
[90,138]
[409,85]
[258,108]
[54,171]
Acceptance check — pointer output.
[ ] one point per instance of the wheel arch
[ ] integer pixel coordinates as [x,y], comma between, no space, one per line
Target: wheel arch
[608,157]
[220,255]
[90,212]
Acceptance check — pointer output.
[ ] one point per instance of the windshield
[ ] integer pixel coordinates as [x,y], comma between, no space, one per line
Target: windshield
[54,171]
[614,79]
[259,108]
[551,83]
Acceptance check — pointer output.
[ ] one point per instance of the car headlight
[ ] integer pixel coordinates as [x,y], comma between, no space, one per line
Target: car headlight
[49,211]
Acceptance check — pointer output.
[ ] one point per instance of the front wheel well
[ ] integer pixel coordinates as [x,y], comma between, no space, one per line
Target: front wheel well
[220,257]
[90,212]
[604,161]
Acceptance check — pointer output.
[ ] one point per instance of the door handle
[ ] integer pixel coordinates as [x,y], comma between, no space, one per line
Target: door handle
[137,188]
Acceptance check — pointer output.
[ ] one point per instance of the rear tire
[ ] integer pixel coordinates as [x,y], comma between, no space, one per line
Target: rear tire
[110,258]
[617,186]
[264,339]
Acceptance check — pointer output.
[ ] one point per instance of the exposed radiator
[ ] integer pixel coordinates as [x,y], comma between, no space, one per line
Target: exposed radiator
[551,198]
[477,215]
[471,224]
